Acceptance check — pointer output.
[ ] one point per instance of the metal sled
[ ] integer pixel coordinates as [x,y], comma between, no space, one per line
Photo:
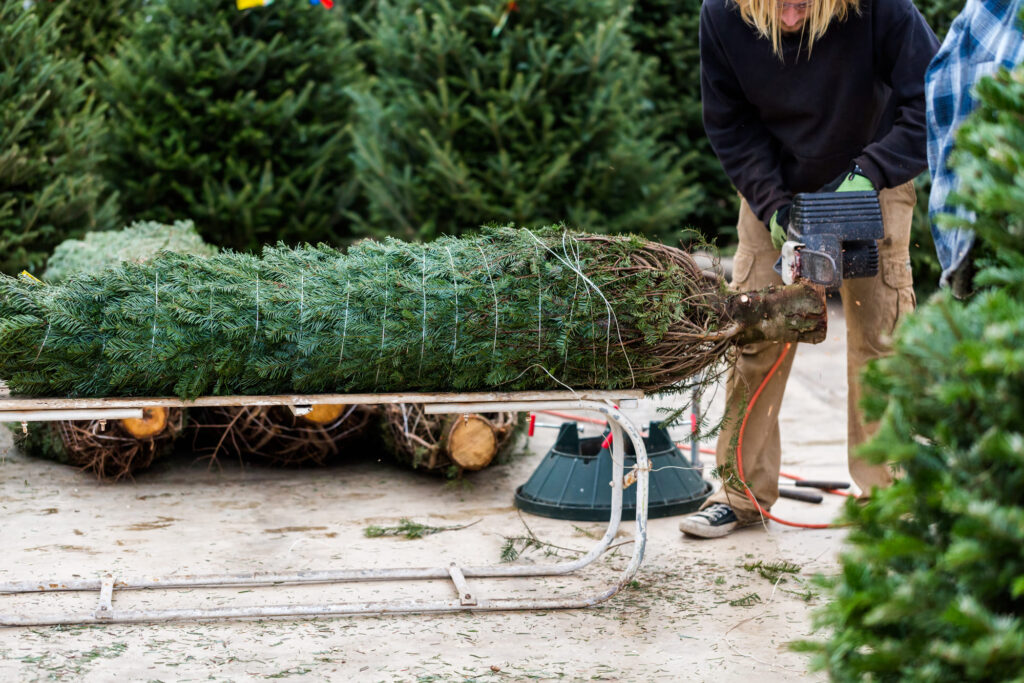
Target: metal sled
[467,596]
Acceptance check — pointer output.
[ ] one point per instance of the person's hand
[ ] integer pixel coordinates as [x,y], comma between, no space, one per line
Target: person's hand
[852,180]
[778,226]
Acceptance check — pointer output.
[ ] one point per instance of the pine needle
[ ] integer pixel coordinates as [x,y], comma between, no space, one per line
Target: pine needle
[772,571]
[409,529]
[748,600]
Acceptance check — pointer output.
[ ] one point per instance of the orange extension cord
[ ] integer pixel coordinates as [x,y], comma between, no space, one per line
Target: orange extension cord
[739,451]
[739,448]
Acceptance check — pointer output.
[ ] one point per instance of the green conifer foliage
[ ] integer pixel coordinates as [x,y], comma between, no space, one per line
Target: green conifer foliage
[48,129]
[234,119]
[512,310]
[532,113]
[932,588]
[138,242]
[667,30]
[89,29]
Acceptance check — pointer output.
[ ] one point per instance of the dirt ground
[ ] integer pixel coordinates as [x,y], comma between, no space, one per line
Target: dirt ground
[696,612]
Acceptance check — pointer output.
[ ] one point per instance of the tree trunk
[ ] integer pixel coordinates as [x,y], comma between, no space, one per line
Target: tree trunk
[152,423]
[324,413]
[472,442]
[795,313]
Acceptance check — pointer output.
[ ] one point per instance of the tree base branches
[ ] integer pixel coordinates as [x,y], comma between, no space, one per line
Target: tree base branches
[277,436]
[447,443]
[111,450]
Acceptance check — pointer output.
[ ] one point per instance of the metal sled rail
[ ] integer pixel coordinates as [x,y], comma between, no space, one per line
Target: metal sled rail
[467,596]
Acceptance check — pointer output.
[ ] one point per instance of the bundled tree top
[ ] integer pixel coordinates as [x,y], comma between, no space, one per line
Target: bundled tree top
[510,310]
[138,242]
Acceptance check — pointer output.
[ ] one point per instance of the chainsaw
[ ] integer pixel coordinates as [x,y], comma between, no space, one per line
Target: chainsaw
[831,236]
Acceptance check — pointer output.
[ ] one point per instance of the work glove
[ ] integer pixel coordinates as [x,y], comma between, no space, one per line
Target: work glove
[778,226]
[851,180]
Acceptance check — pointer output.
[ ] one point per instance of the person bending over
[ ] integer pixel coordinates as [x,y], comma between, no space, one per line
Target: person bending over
[804,97]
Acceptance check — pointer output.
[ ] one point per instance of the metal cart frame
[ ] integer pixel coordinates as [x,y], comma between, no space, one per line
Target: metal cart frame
[467,596]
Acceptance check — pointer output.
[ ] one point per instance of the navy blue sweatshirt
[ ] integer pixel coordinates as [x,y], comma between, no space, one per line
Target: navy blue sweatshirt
[785,126]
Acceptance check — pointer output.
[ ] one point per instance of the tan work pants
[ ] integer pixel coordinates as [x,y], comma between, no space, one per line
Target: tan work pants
[872,307]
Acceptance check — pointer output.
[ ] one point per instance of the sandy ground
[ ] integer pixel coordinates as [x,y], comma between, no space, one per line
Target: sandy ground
[695,612]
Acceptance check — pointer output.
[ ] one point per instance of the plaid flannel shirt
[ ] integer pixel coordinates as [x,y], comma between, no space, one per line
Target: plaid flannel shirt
[985,36]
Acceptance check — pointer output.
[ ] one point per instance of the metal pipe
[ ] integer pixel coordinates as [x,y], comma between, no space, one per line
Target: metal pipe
[620,426]
[70,414]
[336,609]
[625,397]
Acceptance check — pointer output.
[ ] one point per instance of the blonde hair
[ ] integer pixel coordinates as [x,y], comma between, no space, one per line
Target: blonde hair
[763,15]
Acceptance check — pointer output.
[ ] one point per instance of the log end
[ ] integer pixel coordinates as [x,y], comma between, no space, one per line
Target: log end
[795,313]
[324,413]
[152,423]
[472,443]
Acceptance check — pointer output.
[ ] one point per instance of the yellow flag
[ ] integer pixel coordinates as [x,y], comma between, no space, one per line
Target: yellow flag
[249,4]
[30,276]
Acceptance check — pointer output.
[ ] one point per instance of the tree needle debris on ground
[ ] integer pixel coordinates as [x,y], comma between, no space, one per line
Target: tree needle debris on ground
[409,529]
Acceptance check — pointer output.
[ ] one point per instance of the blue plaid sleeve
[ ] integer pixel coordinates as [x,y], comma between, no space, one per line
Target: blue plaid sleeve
[984,37]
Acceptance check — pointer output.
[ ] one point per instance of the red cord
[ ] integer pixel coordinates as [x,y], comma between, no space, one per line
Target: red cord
[739,446]
[739,450]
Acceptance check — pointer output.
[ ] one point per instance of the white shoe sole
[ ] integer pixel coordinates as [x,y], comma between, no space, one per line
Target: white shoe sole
[695,528]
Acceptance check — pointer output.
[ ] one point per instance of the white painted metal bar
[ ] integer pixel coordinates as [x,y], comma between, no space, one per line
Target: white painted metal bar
[466,596]
[105,606]
[621,428]
[23,403]
[314,610]
[46,415]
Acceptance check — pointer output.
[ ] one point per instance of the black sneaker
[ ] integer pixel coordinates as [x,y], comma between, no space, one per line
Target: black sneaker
[716,520]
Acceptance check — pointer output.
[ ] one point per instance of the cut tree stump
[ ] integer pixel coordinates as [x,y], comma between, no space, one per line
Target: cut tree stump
[472,442]
[794,313]
[325,413]
[110,450]
[152,422]
[437,443]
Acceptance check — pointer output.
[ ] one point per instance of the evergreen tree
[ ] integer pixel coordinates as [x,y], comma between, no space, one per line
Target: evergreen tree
[510,310]
[932,588]
[48,129]
[138,242]
[234,119]
[532,113]
[89,29]
[358,15]
[667,30]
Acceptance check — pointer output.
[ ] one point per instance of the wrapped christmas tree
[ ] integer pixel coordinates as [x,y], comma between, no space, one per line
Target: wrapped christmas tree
[114,449]
[138,242]
[509,310]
